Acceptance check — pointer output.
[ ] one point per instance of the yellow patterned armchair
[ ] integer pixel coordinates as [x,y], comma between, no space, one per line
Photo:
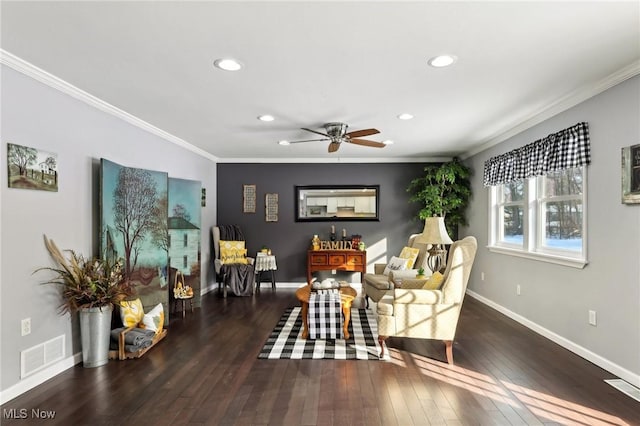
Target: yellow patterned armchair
[429,314]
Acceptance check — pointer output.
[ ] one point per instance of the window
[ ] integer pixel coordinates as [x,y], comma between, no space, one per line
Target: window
[541,217]
[510,199]
[186,240]
[184,262]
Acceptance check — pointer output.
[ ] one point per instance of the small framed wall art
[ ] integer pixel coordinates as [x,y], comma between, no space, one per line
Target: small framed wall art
[271,207]
[631,174]
[30,168]
[248,198]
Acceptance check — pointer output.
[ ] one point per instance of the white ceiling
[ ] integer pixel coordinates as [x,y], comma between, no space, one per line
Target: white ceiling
[308,63]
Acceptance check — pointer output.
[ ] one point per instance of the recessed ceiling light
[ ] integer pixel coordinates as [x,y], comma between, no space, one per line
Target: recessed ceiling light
[266,117]
[284,143]
[388,142]
[405,116]
[442,61]
[227,64]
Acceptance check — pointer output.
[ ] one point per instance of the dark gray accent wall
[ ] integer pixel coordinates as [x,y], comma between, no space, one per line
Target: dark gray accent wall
[289,240]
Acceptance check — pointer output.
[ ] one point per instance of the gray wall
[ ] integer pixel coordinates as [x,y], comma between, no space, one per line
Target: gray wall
[288,239]
[36,115]
[556,299]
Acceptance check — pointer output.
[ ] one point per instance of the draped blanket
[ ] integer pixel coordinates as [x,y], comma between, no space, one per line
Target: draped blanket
[239,277]
[325,315]
[231,233]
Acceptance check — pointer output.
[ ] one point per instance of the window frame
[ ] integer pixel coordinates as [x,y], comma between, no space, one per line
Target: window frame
[534,222]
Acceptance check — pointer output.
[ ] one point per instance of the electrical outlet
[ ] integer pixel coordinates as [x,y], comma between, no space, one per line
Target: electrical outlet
[334,271]
[518,289]
[592,318]
[481,276]
[26,326]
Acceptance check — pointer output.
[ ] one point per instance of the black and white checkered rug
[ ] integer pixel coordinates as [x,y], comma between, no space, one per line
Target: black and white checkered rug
[286,342]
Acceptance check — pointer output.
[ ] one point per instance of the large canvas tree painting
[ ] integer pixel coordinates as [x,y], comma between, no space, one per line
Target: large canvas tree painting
[184,231]
[134,227]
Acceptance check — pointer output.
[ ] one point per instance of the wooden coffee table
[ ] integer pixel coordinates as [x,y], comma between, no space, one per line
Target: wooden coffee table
[347,294]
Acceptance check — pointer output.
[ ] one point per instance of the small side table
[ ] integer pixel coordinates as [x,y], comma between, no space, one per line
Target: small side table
[265,263]
[184,302]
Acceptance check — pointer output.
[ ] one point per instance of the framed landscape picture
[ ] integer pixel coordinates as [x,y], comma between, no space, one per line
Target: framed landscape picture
[631,174]
[30,168]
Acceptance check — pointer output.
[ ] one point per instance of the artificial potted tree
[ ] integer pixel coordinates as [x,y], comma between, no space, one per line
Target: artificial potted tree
[444,190]
[89,286]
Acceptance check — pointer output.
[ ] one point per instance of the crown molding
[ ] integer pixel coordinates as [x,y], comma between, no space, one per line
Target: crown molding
[328,160]
[564,103]
[30,70]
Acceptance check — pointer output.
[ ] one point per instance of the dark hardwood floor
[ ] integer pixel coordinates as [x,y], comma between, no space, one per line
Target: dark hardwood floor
[206,372]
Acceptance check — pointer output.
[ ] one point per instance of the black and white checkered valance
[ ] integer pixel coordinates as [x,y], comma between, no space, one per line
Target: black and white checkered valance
[563,150]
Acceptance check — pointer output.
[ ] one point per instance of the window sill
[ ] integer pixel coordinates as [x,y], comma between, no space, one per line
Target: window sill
[542,257]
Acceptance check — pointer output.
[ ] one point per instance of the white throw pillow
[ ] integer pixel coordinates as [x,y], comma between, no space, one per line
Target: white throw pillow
[395,264]
[154,319]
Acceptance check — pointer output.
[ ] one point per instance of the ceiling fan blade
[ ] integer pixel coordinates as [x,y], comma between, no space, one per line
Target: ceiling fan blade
[367,143]
[313,131]
[311,140]
[333,146]
[359,133]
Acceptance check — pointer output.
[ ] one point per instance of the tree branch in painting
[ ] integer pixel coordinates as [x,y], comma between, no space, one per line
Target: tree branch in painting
[160,229]
[135,199]
[22,157]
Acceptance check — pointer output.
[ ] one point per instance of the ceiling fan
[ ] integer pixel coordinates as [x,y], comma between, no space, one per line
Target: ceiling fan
[336,133]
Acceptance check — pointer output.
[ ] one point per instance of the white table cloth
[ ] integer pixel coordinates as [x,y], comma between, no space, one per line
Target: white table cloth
[265,262]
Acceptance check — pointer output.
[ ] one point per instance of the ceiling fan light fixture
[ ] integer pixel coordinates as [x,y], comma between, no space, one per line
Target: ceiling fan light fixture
[266,117]
[227,64]
[388,142]
[441,61]
[284,143]
[405,116]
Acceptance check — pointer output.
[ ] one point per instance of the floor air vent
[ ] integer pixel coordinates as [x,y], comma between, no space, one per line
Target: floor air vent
[625,387]
[40,356]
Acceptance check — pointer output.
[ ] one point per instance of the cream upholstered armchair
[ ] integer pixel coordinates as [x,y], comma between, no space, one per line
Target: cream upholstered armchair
[376,284]
[429,314]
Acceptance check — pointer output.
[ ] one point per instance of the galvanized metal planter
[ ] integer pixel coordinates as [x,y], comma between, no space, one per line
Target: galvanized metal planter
[95,330]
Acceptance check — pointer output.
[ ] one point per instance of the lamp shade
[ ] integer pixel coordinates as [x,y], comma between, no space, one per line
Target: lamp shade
[434,232]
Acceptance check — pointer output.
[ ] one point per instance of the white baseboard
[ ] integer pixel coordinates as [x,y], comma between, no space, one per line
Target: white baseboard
[598,360]
[279,284]
[38,378]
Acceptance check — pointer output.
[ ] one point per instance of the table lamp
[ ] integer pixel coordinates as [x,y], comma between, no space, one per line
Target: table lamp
[435,233]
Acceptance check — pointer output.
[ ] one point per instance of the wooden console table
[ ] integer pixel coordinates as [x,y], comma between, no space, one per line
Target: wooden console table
[340,260]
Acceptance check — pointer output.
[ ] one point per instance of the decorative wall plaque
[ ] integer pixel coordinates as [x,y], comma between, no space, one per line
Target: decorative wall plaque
[248,198]
[271,207]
